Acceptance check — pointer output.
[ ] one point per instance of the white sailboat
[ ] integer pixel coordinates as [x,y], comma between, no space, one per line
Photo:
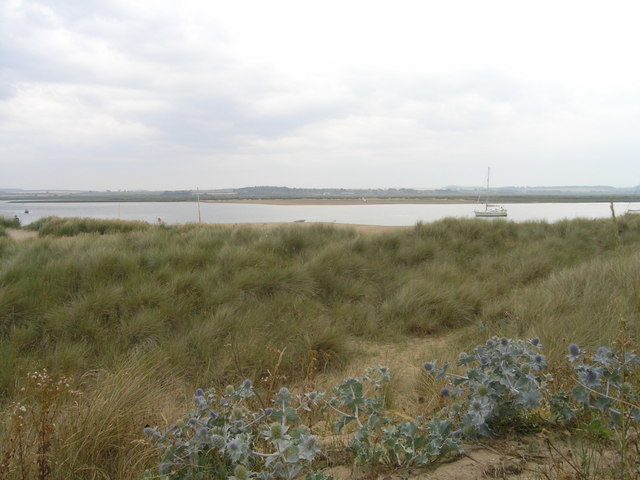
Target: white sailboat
[489,210]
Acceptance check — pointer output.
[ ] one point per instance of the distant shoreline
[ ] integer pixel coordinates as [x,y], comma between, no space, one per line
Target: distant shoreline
[434,200]
[339,201]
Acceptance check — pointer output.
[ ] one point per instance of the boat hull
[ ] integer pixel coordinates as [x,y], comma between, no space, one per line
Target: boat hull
[491,214]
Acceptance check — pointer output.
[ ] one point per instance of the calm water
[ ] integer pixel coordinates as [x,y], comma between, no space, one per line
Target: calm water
[182,212]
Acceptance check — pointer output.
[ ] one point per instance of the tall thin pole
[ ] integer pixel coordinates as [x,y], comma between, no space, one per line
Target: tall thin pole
[198,195]
[488,177]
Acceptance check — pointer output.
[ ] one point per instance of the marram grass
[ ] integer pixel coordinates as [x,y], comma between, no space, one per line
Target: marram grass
[207,305]
[105,293]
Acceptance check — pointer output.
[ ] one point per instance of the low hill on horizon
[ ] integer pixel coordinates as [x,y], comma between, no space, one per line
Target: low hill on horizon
[280,192]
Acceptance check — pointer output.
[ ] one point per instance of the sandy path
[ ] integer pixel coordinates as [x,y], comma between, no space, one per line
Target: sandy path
[20,234]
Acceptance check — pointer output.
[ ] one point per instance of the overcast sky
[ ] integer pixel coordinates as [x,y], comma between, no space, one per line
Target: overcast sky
[165,95]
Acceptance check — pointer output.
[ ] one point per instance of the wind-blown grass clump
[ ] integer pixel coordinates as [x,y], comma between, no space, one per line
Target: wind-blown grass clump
[72,226]
[8,222]
[583,303]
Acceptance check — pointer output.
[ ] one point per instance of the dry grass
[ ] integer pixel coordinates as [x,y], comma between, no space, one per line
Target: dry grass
[95,432]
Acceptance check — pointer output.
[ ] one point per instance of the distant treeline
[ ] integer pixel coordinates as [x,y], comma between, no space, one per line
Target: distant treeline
[405,195]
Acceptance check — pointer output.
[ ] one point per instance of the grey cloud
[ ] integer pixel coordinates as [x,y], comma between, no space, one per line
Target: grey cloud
[6,87]
[222,122]
[72,10]
[461,101]
[143,87]
[208,96]
[153,45]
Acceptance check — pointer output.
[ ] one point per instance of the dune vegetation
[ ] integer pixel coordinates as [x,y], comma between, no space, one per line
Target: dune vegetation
[131,317]
[8,223]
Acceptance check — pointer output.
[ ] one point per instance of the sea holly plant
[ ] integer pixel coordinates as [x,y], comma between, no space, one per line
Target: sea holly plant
[377,438]
[223,438]
[360,400]
[419,443]
[291,449]
[503,379]
[605,383]
[607,387]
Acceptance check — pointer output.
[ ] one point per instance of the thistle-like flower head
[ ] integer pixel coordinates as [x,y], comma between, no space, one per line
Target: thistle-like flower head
[233,445]
[574,351]
[590,378]
[429,367]
[283,391]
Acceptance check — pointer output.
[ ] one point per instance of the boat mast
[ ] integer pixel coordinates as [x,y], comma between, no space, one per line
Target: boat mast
[198,194]
[486,200]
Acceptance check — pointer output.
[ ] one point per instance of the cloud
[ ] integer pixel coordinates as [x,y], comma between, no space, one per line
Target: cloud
[335,94]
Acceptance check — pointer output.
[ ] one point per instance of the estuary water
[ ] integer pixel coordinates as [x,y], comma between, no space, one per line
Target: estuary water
[174,213]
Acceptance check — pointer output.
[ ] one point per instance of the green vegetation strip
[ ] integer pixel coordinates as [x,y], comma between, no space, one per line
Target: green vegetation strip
[142,309]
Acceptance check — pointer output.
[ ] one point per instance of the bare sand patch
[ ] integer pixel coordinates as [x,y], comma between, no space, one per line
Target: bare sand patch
[21,234]
[506,460]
